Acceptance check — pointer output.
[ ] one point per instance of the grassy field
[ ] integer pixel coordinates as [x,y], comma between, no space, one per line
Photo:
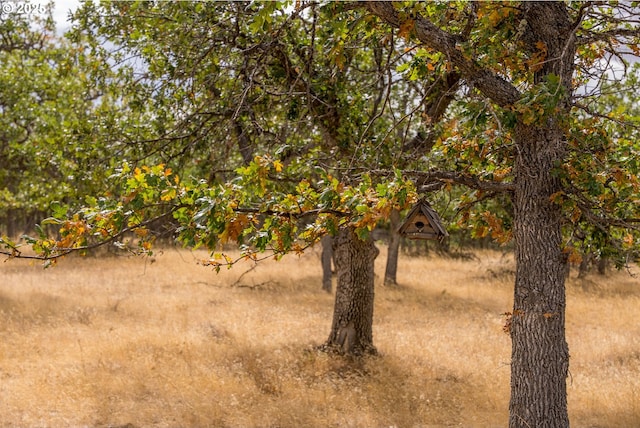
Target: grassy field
[115,342]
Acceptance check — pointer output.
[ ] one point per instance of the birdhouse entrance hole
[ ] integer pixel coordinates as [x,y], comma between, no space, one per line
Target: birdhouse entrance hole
[423,222]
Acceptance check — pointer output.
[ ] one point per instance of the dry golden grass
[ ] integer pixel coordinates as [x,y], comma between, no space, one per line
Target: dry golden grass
[114,342]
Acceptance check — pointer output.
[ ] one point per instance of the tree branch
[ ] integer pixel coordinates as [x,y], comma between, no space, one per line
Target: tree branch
[490,84]
[467,180]
[291,214]
[61,252]
[434,179]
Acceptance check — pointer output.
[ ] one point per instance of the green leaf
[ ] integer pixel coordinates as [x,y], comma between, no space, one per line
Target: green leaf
[59,210]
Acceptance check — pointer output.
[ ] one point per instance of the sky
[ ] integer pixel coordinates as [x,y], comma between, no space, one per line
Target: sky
[62,8]
[61,12]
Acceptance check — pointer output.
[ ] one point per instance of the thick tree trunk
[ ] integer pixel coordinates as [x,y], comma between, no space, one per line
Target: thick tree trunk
[391,271]
[326,257]
[540,355]
[352,328]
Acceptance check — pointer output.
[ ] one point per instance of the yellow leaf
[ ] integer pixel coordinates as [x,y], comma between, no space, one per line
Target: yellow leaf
[501,173]
[168,194]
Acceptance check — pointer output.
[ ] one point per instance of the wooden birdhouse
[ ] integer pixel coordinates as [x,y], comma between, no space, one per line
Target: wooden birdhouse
[423,222]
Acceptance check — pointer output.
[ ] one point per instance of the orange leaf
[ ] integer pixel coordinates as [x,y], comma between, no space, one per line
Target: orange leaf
[574,256]
[405,28]
[495,17]
[628,241]
[141,232]
[575,215]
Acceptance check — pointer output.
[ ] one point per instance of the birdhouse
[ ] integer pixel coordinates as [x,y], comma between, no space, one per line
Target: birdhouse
[423,222]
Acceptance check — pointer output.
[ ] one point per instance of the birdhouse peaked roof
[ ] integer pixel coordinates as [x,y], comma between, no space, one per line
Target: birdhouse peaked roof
[423,222]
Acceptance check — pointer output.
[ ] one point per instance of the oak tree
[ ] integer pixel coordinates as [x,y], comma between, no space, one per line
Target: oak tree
[293,87]
[338,111]
[525,62]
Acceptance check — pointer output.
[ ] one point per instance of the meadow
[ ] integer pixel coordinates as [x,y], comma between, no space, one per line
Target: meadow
[112,341]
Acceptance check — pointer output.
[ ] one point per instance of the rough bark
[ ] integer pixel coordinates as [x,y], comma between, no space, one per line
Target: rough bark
[540,356]
[352,327]
[326,257]
[391,271]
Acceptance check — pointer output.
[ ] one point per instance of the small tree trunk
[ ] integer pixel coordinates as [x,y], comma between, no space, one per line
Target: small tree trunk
[326,257]
[244,145]
[351,330]
[391,271]
[12,230]
[585,264]
[602,265]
